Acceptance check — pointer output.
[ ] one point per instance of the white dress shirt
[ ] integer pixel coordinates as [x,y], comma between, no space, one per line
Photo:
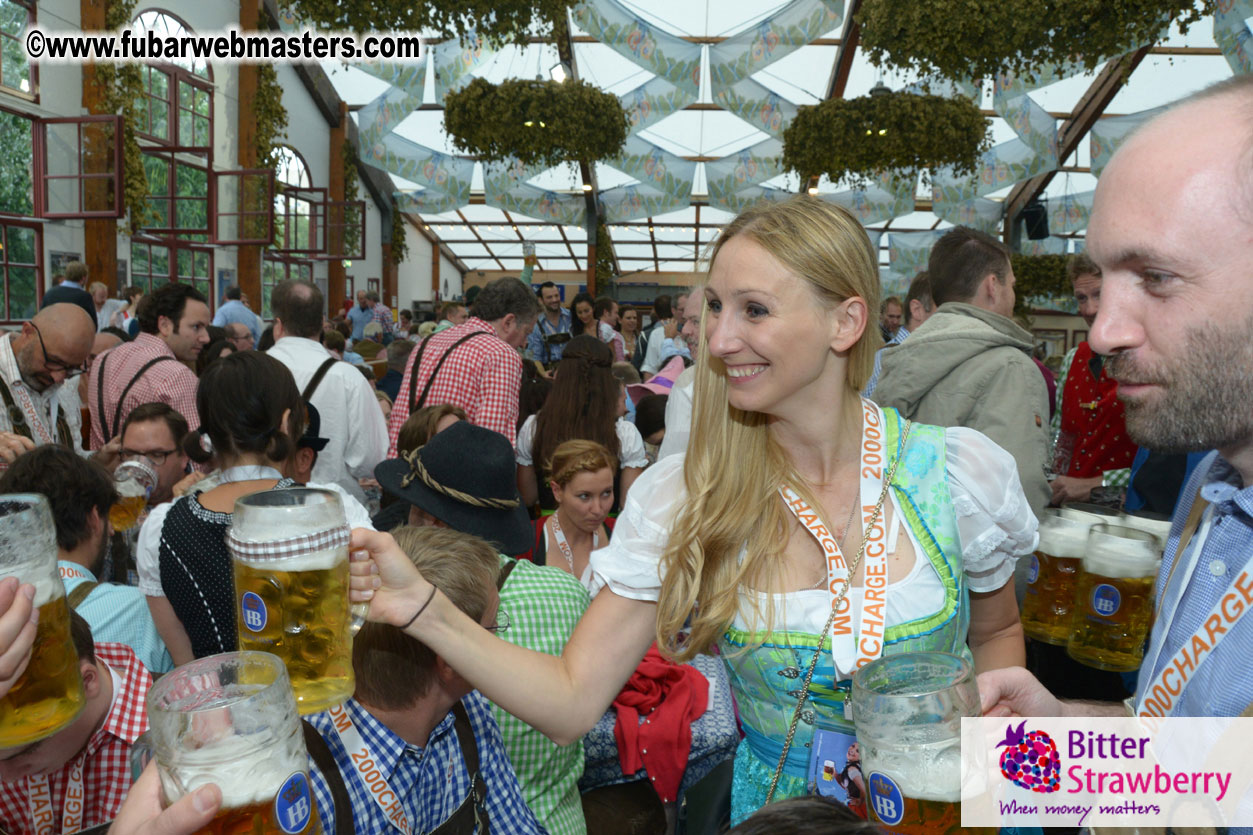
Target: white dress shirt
[352,420]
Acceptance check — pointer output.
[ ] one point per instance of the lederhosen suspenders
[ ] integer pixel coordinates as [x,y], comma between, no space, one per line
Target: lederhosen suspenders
[416,403]
[316,379]
[471,817]
[18,418]
[105,431]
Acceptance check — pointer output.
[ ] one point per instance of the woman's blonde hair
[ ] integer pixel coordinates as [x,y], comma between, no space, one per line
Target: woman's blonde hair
[734,468]
[579,456]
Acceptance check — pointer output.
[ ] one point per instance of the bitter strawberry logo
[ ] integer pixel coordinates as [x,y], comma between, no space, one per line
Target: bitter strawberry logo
[1030,759]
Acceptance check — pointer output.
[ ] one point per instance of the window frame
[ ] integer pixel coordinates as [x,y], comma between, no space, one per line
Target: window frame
[42,177]
[32,66]
[24,222]
[217,178]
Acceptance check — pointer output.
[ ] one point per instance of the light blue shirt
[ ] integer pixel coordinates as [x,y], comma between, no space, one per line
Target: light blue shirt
[359,319]
[536,349]
[119,614]
[901,334]
[676,347]
[235,312]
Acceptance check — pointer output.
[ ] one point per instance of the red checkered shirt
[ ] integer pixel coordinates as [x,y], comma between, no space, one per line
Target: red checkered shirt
[166,382]
[383,315]
[106,773]
[482,376]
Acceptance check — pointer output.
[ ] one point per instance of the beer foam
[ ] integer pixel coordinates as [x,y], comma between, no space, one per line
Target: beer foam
[316,561]
[1116,554]
[131,489]
[248,769]
[924,771]
[1062,536]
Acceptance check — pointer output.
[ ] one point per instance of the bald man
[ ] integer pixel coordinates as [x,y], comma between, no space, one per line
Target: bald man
[237,334]
[34,365]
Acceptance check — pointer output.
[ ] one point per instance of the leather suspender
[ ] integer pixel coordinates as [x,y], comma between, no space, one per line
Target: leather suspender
[471,816]
[321,754]
[416,403]
[117,412]
[316,379]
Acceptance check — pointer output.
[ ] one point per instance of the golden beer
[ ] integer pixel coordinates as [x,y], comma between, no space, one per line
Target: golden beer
[1114,599]
[297,609]
[126,512]
[262,819]
[1048,603]
[920,816]
[49,695]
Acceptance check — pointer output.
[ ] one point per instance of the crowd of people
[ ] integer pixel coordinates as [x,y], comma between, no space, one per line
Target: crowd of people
[549,499]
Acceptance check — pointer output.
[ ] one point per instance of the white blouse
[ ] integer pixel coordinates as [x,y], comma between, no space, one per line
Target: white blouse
[995,526]
[631,452]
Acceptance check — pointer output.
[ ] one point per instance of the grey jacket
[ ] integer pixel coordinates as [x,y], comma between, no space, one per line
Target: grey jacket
[966,366]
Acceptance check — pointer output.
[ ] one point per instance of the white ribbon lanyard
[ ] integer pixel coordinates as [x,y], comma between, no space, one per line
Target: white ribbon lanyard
[366,767]
[564,546]
[857,631]
[39,796]
[1162,694]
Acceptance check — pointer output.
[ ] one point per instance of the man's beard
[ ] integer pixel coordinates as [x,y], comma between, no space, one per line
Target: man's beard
[32,382]
[1204,397]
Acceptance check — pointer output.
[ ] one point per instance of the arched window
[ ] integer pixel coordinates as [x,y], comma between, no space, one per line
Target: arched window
[178,95]
[297,224]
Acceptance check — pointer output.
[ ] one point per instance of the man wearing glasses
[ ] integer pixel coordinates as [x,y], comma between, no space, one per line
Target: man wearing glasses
[156,431]
[34,365]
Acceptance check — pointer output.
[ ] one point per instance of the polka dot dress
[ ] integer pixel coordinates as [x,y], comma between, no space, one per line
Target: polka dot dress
[196,574]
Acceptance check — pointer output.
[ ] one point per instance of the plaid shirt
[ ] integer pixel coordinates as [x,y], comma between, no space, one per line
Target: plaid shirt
[1109,478]
[431,782]
[107,773]
[544,605]
[482,376]
[383,315]
[166,382]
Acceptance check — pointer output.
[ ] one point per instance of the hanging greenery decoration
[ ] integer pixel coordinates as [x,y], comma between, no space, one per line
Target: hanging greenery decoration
[270,115]
[400,241]
[982,38]
[1038,277]
[538,122]
[858,138]
[122,92]
[352,228]
[604,257]
[500,21]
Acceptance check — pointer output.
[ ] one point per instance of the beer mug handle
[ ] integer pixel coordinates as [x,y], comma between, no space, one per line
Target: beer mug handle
[358,612]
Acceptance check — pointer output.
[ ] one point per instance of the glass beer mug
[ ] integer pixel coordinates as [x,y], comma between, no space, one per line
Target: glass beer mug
[907,709]
[1051,575]
[231,720]
[1114,598]
[290,554]
[135,480]
[49,695]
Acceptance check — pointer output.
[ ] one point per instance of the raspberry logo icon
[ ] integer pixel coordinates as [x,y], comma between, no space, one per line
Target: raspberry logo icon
[1030,759]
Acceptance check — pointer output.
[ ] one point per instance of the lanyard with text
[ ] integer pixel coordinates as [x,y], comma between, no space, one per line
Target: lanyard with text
[366,767]
[856,636]
[1161,694]
[564,546]
[39,795]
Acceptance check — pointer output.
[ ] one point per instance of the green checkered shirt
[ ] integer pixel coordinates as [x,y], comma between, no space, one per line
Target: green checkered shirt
[543,605]
[1109,478]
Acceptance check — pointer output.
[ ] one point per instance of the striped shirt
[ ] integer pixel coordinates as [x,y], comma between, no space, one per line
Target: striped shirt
[544,605]
[432,781]
[1222,684]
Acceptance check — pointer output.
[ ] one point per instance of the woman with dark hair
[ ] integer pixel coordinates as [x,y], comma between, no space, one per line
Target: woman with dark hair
[214,351]
[583,405]
[582,316]
[629,326]
[251,417]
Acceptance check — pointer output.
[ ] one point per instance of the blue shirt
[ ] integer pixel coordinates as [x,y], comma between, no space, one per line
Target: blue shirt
[1223,683]
[432,782]
[901,333]
[359,319]
[536,349]
[119,614]
[235,312]
[676,347]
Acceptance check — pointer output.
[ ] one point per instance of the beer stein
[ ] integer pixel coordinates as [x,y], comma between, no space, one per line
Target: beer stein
[1051,575]
[1143,520]
[290,553]
[49,694]
[1094,514]
[1114,598]
[230,719]
[907,709]
[135,480]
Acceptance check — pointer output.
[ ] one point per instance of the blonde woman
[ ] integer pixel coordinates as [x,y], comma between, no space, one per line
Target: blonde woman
[789,336]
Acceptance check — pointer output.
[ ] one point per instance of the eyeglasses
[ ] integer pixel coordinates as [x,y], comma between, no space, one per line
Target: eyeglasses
[54,364]
[501,624]
[156,456]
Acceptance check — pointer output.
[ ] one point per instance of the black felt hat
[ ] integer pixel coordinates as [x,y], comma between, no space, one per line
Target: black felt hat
[465,476]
